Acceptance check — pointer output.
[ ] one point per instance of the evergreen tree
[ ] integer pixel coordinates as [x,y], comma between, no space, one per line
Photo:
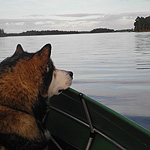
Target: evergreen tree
[142,24]
[2,33]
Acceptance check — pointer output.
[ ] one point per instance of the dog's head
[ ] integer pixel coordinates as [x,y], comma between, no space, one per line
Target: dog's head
[28,74]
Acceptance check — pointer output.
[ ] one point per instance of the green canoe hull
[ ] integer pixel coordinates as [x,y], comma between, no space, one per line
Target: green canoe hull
[85,124]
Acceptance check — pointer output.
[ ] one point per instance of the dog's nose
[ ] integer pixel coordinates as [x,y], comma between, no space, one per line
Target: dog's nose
[71,74]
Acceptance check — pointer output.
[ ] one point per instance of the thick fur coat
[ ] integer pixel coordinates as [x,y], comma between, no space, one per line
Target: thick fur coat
[25,80]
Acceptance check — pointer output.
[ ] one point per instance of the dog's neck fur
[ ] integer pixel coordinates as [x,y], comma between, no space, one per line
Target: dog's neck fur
[16,109]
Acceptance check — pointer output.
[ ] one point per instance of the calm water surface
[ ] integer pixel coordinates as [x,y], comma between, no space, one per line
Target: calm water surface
[112,68]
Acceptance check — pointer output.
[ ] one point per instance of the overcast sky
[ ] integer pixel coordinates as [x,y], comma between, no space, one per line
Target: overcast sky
[82,15]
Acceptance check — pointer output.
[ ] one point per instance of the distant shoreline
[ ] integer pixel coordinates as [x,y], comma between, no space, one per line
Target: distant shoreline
[58,32]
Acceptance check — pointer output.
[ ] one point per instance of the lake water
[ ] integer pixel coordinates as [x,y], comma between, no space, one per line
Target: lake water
[112,68]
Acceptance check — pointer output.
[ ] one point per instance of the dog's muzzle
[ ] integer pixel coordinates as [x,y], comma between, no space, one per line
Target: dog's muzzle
[61,81]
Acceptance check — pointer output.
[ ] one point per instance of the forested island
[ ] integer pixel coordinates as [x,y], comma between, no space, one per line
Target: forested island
[57,32]
[141,25]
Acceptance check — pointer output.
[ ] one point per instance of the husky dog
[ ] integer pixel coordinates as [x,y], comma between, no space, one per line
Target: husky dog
[27,80]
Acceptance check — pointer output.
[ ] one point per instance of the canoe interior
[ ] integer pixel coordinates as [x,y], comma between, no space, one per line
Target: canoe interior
[105,129]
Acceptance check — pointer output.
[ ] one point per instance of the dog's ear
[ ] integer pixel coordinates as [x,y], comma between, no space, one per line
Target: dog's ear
[19,50]
[44,54]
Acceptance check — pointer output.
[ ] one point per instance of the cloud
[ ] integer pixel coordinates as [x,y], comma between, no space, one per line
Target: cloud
[77,21]
[14,23]
[34,16]
[79,15]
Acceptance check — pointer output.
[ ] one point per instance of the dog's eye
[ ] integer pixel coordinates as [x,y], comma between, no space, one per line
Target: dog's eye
[60,91]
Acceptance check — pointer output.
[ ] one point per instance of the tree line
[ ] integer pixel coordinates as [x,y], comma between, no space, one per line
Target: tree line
[43,32]
[142,24]
[57,32]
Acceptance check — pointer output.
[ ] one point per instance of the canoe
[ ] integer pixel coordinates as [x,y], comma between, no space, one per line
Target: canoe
[78,122]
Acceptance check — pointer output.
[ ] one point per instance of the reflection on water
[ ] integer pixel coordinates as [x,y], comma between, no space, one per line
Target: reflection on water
[112,68]
[142,120]
[142,50]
